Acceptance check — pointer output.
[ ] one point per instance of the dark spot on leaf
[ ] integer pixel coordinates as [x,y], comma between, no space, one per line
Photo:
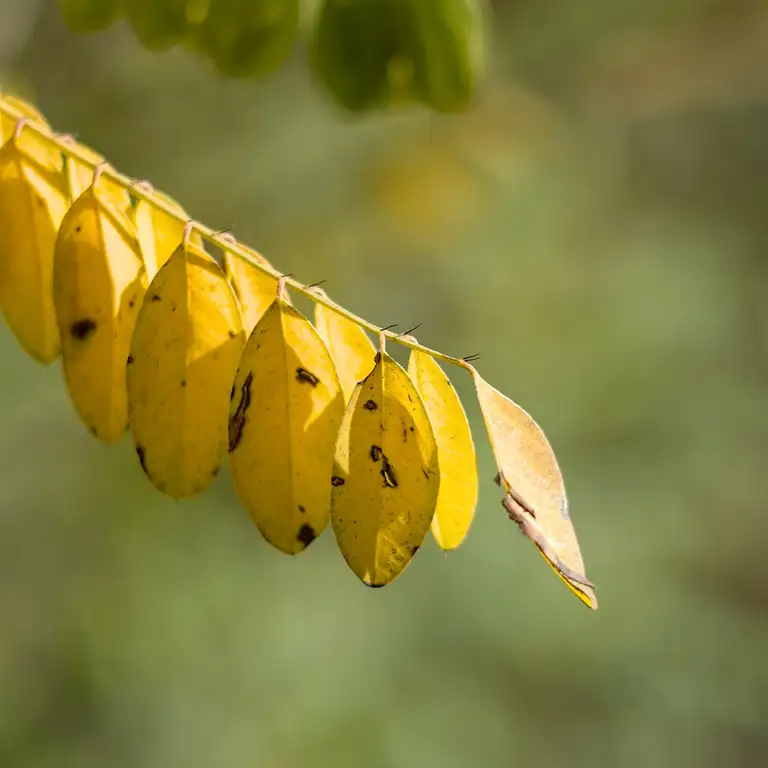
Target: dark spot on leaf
[237,421]
[511,495]
[130,359]
[337,481]
[142,458]
[370,405]
[215,471]
[405,435]
[78,228]
[232,334]
[301,508]
[232,394]
[410,399]
[375,452]
[414,549]
[412,429]
[82,329]
[425,473]
[305,376]
[388,473]
[306,535]
[131,304]
[155,297]
[183,382]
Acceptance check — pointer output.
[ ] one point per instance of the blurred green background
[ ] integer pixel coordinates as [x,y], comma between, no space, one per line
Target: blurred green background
[596,228]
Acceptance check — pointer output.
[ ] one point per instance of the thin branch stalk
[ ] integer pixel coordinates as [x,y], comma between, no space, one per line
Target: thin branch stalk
[143,191]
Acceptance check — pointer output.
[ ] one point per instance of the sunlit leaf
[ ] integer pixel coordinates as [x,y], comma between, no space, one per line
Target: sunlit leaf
[455,451]
[529,470]
[284,415]
[386,475]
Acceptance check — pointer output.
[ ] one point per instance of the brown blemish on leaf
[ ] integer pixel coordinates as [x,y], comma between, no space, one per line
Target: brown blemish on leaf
[232,394]
[306,535]
[131,303]
[155,297]
[232,334]
[337,481]
[183,382]
[301,508]
[519,501]
[375,453]
[405,435]
[82,329]
[425,473]
[129,360]
[388,473]
[305,376]
[370,405]
[141,453]
[237,422]
[414,549]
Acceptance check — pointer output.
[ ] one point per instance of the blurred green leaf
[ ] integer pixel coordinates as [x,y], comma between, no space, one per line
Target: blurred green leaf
[85,16]
[247,38]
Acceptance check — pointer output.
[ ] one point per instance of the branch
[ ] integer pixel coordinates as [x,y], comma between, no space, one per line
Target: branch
[219,239]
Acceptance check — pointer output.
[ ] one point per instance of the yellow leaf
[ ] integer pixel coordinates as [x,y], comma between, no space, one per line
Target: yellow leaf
[386,475]
[255,290]
[184,355]
[99,283]
[159,232]
[8,123]
[455,451]
[80,176]
[349,345]
[33,201]
[37,149]
[530,471]
[284,416]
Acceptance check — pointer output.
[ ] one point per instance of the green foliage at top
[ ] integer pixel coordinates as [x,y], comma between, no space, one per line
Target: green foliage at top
[366,53]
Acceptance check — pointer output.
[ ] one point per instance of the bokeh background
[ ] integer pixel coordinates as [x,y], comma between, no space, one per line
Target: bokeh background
[596,228]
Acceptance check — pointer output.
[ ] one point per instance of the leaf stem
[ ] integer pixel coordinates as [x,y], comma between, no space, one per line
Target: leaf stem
[144,191]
